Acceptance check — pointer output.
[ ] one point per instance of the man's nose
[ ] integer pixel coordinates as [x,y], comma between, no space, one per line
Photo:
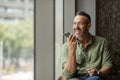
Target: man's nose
[76,26]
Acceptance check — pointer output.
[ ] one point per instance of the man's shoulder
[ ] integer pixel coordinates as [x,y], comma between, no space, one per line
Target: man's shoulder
[99,38]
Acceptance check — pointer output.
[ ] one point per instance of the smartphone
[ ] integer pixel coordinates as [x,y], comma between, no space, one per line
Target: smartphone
[67,34]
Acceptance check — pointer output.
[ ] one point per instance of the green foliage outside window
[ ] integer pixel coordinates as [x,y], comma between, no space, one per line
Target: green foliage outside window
[17,39]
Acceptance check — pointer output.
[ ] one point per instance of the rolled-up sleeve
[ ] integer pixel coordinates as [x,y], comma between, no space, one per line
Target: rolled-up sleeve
[68,74]
[64,57]
[107,61]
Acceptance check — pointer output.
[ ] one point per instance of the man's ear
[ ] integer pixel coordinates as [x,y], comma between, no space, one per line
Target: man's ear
[89,25]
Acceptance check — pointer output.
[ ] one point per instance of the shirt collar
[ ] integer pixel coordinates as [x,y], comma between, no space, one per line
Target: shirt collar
[89,42]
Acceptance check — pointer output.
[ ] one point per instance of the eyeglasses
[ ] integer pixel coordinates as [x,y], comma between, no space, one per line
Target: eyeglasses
[80,23]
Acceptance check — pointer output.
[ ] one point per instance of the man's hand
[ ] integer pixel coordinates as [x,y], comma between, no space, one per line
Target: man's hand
[72,43]
[92,71]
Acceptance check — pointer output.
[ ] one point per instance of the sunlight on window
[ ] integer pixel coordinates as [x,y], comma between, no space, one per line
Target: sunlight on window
[16,40]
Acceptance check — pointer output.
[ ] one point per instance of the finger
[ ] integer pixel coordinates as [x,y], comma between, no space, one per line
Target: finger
[69,38]
[73,38]
[91,73]
[93,70]
[89,69]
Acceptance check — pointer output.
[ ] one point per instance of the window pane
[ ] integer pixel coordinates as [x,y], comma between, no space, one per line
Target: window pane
[58,37]
[16,40]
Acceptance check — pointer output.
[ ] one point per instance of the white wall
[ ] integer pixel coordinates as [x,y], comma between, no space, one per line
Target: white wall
[44,40]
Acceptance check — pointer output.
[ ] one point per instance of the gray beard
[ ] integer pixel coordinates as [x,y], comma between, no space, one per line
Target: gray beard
[81,37]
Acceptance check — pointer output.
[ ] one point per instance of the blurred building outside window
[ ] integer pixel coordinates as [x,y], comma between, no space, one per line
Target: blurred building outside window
[16,40]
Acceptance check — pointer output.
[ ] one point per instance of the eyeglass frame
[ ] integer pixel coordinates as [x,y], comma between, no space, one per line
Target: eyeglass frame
[80,23]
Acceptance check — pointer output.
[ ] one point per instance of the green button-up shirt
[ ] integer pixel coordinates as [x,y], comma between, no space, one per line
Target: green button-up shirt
[95,55]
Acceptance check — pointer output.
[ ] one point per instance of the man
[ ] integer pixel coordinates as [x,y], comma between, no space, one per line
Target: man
[85,56]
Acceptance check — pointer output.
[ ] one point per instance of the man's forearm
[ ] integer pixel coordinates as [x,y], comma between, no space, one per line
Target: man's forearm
[71,62]
[105,70]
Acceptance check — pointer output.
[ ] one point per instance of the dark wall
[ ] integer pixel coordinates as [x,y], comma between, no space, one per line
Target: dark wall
[108,21]
[108,26]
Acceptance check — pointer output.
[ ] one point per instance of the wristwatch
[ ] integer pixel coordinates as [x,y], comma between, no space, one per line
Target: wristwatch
[99,73]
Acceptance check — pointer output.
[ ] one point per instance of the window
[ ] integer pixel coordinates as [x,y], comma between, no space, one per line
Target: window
[2,9]
[15,10]
[31,0]
[16,43]
[30,11]
[11,0]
